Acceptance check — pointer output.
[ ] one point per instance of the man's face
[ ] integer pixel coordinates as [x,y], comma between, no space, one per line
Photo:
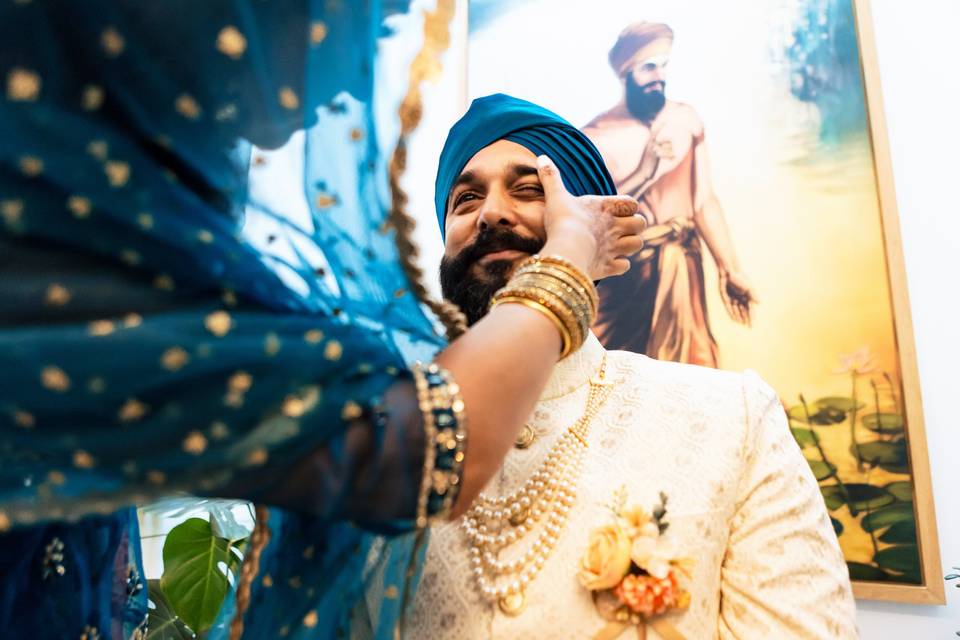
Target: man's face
[644,87]
[494,221]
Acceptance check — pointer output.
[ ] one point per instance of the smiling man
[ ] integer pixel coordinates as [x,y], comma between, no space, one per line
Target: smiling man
[745,548]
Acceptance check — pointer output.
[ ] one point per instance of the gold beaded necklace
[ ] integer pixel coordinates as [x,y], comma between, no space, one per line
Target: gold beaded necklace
[494,524]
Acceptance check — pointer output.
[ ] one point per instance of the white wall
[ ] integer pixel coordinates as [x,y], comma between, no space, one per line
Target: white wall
[919,55]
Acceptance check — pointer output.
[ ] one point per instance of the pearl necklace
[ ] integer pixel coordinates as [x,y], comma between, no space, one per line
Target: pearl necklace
[493,524]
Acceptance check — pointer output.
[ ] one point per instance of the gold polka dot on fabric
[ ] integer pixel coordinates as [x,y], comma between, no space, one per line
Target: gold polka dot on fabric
[391,592]
[156,477]
[23,85]
[98,149]
[271,344]
[318,32]
[132,410]
[284,631]
[267,581]
[351,411]
[24,419]
[132,320]
[288,98]
[229,298]
[293,406]
[174,359]
[240,382]
[313,336]
[145,220]
[56,478]
[325,200]
[187,106]
[218,323]
[118,173]
[205,236]
[356,134]
[31,166]
[257,457]
[163,282]
[79,206]
[310,620]
[112,42]
[130,257]
[11,210]
[55,379]
[231,43]
[308,552]
[56,295]
[96,385]
[195,443]
[5,523]
[83,460]
[219,431]
[399,293]
[333,350]
[101,328]
[92,98]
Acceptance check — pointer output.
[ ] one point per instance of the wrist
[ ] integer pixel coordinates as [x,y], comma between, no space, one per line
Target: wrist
[579,251]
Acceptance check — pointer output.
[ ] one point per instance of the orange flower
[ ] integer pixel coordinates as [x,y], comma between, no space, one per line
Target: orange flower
[650,596]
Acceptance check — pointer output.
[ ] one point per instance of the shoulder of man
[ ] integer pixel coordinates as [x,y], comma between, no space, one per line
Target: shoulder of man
[685,115]
[702,385]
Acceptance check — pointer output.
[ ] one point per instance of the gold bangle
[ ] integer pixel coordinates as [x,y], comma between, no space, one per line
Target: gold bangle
[566,340]
[561,275]
[572,309]
[571,328]
[565,265]
[444,426]
[571,294]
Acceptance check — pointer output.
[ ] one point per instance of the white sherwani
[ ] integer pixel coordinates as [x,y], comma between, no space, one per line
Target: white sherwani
[742,503]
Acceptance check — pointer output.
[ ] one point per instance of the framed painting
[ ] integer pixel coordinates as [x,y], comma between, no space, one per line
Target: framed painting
[753,135]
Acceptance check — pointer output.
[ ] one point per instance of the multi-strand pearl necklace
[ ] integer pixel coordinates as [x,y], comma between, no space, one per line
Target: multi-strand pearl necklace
[493,524]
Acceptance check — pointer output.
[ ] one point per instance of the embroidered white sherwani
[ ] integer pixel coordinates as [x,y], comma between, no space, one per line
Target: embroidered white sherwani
[742,503]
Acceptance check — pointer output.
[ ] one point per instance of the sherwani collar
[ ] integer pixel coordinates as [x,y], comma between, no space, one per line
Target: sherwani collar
[575,370]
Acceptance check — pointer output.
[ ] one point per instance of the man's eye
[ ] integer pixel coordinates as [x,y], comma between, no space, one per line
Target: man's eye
[530,189]
[466,196]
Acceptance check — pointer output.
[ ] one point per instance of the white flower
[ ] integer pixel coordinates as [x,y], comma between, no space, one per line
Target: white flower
[654,555]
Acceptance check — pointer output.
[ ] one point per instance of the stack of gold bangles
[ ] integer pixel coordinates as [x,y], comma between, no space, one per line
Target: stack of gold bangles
[560,291]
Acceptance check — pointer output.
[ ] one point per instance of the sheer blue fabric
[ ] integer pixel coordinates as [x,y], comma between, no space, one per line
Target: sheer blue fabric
[161,330]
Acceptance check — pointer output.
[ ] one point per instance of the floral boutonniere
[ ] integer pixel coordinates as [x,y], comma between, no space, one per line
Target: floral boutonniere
[633,572]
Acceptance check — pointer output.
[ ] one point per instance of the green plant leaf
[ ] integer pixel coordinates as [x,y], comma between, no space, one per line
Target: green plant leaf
[883,422]
[901,490]
[845,405]
[897,512]
[804,437]
[861,571]
[833,497]
[904,558]
[194,582]
[822,470]
[837,526]
[900,533]
[162,622]
[882,453]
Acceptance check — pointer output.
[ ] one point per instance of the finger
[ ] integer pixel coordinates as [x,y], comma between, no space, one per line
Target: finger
[627,245]
[620,205]
[618,267]
[630,225]
[550,179]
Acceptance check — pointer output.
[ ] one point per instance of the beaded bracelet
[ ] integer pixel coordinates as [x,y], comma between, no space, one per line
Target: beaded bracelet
[444,426]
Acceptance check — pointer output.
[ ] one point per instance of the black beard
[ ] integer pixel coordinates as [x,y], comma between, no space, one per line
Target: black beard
[646,101]
[471,293]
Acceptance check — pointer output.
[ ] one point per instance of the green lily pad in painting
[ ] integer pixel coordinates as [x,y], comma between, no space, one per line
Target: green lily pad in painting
[882,453]
[883,422]
[890,515]
[862,497]
[903,558]
[900,533]
[837,526]
[804,437]
[822,470]
[901,490]
[845,405]
[861,571]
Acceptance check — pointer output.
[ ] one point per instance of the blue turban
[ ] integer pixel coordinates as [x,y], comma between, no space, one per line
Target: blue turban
[503,117]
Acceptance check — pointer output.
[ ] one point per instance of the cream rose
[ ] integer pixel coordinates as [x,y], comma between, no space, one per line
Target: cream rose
[607,558]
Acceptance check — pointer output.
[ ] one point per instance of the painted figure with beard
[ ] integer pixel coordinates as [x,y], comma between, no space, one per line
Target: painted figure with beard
[655,151]
[743,505]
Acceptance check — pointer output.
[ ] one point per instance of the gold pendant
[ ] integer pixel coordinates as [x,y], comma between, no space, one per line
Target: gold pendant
[526,437]
[512,604]
[520,517]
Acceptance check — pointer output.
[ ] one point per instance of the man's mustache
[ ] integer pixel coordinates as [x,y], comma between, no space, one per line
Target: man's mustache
[658,86]
[493,240]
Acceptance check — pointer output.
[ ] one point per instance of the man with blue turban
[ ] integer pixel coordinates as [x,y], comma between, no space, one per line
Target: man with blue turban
[640,492]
